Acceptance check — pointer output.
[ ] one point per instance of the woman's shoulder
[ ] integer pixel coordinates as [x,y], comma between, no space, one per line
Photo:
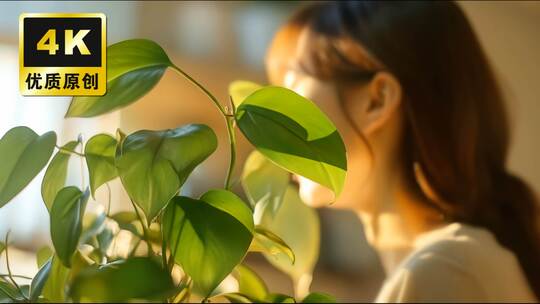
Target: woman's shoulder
[461,246]
[457,262]
[432,275]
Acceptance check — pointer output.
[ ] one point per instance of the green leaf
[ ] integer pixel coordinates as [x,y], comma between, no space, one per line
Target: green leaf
[264,184]
[279,298]
[55,176]
[134,67]
[250,284]
[43,255]
[124,217]
[2,247]
[319,297]
[240,89]
[23,154]
[25,289]
[54,289]
[154,164]
[4,298]
[120,137]
[269,243]
[294,133]
[39,280]
[230,203]
[298,225]
[232,297]
[125,221]
[218,235]
[100,153]
[134,279]
[9,292]
[66,221]
[82,261]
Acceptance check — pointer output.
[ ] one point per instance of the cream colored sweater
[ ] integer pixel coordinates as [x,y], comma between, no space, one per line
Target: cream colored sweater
[457,263]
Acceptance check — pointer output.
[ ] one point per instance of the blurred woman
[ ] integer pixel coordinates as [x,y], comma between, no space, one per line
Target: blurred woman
[424,122]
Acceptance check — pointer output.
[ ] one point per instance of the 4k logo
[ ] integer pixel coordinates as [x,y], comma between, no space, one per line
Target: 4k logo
[62,54]
[71,42]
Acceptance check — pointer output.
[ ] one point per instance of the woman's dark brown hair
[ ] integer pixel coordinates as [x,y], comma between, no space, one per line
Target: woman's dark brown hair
[457,128]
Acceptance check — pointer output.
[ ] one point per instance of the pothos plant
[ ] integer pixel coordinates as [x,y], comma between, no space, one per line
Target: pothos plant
[180,248]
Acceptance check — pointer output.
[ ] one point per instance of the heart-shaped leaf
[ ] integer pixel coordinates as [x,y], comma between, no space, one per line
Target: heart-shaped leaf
[240,89]
[294,133]
[154,164]
[218,230]
[23,154]
[66,221]
[134,67]
[230,203]
[56,173]
[134,279]
[100,152]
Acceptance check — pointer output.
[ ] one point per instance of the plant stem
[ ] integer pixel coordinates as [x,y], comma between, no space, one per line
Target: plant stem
[201,87]
[132,252]
[232,142]
[69,151]
[164,252]
[173,251]
[229,120]
[82,165]
[10,275]
[163,245]
[16,276]
[109,198]
[145,229]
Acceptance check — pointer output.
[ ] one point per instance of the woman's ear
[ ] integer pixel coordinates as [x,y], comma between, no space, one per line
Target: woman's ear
[384,97]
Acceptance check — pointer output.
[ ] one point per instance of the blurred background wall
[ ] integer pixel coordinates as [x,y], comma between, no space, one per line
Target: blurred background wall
[217,42]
